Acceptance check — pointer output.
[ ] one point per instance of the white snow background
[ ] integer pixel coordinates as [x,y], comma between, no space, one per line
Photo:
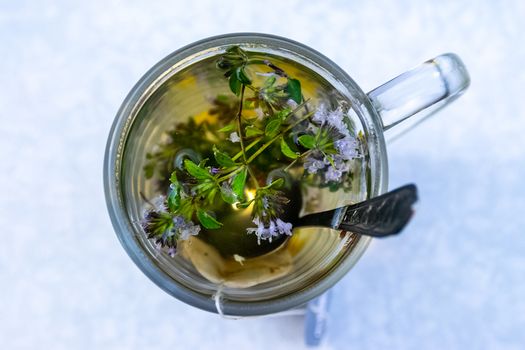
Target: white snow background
[455,279]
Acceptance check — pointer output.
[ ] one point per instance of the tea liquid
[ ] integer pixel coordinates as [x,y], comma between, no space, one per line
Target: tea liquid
[229,255]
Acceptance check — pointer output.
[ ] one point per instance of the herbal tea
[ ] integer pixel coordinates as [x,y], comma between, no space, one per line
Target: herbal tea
[225,145]
[247,141]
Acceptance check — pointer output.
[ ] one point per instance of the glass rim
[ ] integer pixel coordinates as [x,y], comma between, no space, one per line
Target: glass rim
[116,145]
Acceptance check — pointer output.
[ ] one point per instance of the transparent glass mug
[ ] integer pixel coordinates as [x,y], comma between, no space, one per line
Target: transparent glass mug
[416,94]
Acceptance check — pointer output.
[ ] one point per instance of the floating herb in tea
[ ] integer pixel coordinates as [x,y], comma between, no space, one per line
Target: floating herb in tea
[266,141]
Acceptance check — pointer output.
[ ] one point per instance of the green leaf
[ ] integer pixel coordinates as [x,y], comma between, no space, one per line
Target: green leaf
[282,114]
[253,131]
[222,98]
[227,128]
[204,186]
[242,77]
[276,183]
[222,158]
[149,170]
[239,182]
[307,141]
[243,205]
[186,208]
[202,163]
[293,88]
[227,195]
[174,199]
[248,104]
[195,171]
[173,180]
[328,149]
[236,51]
[287,151]
[334,186]
[235,84]
[174,195]
[272,128]
[211,195]
[207,220]
[270,81]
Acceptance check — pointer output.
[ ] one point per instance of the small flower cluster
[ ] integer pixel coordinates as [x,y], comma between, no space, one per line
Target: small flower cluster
[332,163]
[267,209]
[166,228]
[234,137]
[274,228]
[185,228]
[212,167]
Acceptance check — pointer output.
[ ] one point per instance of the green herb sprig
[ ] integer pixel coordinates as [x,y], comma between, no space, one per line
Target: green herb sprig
[212,166]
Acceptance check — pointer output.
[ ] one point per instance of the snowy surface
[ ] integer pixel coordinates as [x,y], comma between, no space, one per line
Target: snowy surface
[454,280]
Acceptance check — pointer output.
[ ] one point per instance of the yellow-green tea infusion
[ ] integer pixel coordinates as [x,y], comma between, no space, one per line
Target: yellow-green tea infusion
[255,140]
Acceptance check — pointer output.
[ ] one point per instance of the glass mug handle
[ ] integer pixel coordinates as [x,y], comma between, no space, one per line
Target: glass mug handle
[419,93]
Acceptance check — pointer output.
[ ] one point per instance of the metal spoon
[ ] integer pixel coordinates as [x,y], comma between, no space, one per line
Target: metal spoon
[380,216]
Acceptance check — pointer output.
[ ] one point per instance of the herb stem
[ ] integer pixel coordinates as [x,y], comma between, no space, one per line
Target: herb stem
[146,199]
[239,127]
[253,177]
[330,159]
[303,104]
[296,159]
[241,137]
[276,137]
[276,69]
[229,175]
[247,148]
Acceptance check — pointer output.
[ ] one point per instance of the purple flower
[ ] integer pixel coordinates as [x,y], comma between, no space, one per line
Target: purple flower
[333,166]
[346,147]
[234,137]
[185,228]
[172,251]
[333,174]
[274,228]
[292,104]
[284,228]
[312,164]
[334,118]
[320,115]
[259,230]
[159,203]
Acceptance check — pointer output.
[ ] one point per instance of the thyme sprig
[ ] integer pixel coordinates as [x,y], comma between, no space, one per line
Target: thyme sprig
[208,167]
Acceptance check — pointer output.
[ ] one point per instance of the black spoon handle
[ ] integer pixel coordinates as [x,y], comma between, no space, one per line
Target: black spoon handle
[380,216]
